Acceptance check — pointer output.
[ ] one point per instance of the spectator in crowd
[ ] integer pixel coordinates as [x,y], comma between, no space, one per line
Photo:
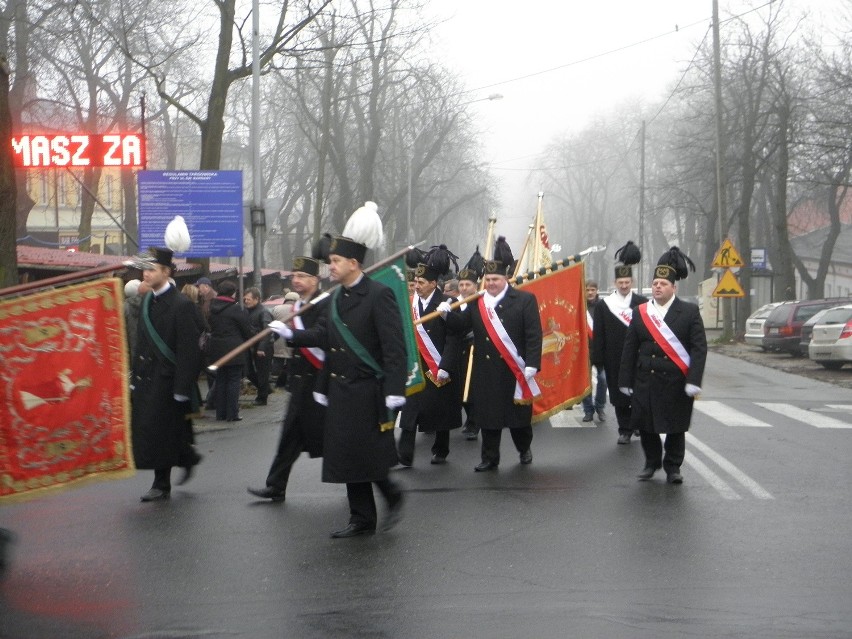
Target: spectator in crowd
[229,327]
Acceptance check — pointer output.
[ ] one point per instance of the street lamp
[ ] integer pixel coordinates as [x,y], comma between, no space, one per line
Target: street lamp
[493,96]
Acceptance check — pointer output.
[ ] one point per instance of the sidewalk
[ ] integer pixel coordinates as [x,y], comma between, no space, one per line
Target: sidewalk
[252,415]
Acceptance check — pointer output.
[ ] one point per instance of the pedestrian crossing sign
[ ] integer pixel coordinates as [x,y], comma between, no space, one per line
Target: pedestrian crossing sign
[727,257]
[728,286]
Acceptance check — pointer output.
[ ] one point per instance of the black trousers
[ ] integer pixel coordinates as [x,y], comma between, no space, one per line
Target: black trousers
[405,446]
[163,478]
[362,505]
[290,446]
[522,437]
[675,448]
[259,375]
[622,416]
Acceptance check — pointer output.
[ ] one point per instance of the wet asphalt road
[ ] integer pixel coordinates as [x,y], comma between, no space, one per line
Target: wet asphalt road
[755,544]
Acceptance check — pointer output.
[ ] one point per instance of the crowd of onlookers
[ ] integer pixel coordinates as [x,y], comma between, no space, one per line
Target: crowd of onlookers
[226,324]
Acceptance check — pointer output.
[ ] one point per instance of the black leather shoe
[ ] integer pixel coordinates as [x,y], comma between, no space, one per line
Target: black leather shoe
[438,459]
[526,456]
[486,466]
[674,478]
[648,472]
[235,419]
[353,530]
[588,417]
[394,515]
[471,437]
[624,438]
[189,468]
[155,494]
[268,492]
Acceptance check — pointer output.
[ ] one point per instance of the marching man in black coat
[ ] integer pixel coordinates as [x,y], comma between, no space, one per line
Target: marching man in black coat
[506,356]
[612,316]
[364,376]
[662,367]
[437,408]
[302,428]
[164,375]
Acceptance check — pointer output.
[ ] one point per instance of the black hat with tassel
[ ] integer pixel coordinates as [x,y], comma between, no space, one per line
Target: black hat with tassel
[673,265]
[503,262]
[474,268]
[628,255]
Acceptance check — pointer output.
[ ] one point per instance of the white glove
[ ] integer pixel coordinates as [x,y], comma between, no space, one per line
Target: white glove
[444,308]
[181,398]
[319,398]
[692,390]
[529,372]
[442,374]
[625,390]
[280,329]
[394,401]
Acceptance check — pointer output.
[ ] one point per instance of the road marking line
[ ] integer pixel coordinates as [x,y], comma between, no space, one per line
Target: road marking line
[807,416]
[728,416]
[747,482]
[565,419]
[712,478]
[840,407]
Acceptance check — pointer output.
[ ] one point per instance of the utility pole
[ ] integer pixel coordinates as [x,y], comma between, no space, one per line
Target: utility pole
[641,279]
[727,327]
[258,215]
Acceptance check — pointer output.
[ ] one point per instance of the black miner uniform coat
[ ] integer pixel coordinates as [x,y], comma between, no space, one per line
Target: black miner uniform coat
[608,345]
[492,385]
[659,402]
[160,430]
[354,449]
[303,413]
[436,408]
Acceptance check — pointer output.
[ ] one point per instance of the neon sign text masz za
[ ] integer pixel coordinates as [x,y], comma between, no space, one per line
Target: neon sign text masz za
[78,150]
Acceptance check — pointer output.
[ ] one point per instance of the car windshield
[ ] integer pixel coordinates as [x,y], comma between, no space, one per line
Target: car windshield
[836,316]
[763,313]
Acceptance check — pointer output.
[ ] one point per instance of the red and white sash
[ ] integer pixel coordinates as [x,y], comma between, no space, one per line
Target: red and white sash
[425,346]
[590,324]
[663,336]
[525,391]
[316,356]
[624,314]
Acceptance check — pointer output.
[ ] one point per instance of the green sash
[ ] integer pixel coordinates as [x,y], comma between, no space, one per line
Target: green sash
[351,341]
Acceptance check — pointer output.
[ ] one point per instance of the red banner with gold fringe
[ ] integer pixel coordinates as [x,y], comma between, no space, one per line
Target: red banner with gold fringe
[65,414]
[564,378]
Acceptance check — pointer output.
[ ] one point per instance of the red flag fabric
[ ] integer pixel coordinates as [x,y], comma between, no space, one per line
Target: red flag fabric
[564,378]
[65,411]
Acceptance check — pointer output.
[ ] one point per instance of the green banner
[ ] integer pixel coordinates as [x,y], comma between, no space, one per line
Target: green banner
[393,276]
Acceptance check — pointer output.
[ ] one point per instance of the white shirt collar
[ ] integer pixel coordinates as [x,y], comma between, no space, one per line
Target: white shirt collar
[665,307]
[425,300]
[491,302]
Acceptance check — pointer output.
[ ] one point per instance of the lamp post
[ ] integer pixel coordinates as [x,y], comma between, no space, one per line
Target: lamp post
[493,96]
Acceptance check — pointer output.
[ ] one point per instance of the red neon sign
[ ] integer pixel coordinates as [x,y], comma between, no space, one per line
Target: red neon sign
[78,150]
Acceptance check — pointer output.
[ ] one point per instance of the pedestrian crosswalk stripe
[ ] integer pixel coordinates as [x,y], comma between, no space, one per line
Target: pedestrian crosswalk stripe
[841,407]
[727,415]
[570,419]
[744,480]
[710,477]
[807,416]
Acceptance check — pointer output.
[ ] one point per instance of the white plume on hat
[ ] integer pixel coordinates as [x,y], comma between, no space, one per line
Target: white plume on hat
[131,288]
[365,226]
[177,235]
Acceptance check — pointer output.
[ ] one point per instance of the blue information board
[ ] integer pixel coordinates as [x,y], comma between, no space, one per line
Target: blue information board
[211,202]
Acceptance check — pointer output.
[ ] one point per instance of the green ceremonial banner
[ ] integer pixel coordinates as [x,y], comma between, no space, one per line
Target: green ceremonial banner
[393,276]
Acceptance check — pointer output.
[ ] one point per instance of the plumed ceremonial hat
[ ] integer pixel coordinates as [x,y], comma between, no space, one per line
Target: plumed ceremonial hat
[319,251]
[363,231]
[436,264]
[307,265]
[673,265]
[472,271]
[503,262]
[628,255]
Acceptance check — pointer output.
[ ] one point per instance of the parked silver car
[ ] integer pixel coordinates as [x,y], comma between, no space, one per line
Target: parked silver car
[754,324]
[831,342]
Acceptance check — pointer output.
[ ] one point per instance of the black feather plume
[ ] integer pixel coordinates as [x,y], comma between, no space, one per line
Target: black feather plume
[629,254]
[320,249]
[476,263]
[414,256]
[503,253]
[679,261]
[439,259]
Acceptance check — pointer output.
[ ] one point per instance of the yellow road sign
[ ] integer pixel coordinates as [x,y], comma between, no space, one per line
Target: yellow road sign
[728,286]
[727,256]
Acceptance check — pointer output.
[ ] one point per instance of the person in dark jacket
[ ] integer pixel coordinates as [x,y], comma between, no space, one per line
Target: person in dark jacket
[437,408]
[302,428]
[363,378]
[229,327]
[260,355]
[662,367]
[507,342]
[596,404]
[163,381]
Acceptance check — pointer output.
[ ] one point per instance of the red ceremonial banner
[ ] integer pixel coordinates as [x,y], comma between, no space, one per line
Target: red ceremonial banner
[65,414]
[564,378]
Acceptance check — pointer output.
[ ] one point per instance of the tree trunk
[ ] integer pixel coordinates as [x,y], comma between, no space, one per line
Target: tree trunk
[8,188]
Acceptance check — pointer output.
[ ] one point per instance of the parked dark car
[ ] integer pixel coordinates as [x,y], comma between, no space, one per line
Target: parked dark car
[808,330]
[782,330]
